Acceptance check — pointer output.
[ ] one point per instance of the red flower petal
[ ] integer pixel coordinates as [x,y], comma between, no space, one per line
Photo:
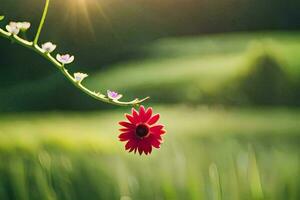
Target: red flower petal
[127,125]
[140,149]
[148,149]
[156,129]
[155,141]
[153,119]
[133,148]
[126,136]
[147,115]
[124,139]
[126,129]
[142,113]
[130,144]
[157,137]
[130,118]
[156,144]
[162,132]
[135,115]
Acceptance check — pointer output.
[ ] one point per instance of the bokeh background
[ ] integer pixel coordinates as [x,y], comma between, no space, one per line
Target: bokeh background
[224,74]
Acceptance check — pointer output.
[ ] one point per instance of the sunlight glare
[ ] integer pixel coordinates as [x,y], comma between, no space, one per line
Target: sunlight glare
[82,13]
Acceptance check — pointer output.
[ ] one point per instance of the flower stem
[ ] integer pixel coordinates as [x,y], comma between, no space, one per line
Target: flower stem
[34,46]
[36,39]
[47,56]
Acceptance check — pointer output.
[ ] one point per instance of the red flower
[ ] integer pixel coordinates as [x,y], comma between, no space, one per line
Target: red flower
[140,132]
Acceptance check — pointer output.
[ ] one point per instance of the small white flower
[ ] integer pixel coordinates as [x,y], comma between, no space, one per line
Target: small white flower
[65,59]
[79,77]
[48,47]
[15,24]
[114,95]
[13,28]
[23,26]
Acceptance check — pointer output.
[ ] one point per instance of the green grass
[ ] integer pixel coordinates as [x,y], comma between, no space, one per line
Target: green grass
[209,153]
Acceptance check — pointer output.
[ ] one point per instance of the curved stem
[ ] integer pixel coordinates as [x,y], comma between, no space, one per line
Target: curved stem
[36,39]
[47,56]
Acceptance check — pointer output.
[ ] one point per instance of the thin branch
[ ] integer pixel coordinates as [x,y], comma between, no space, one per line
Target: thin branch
[47,56]
[35,41]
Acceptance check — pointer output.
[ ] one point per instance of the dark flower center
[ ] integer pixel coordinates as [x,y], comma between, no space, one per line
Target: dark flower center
[142,130]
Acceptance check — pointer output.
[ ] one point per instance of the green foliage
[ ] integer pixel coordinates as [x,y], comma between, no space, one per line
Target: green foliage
[1,17]
[250,154]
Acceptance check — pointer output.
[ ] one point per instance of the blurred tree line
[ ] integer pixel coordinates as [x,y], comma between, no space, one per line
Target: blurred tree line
[102,32]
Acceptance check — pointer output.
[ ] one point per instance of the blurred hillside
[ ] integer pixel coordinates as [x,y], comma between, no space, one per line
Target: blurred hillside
[235,69]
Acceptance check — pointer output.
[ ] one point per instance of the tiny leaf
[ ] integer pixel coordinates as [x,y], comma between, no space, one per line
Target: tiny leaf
[1,17]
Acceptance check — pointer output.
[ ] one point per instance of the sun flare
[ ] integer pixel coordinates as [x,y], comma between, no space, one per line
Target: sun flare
[83,13]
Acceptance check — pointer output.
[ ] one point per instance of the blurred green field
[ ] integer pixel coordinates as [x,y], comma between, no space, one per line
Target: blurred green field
[229,103]
[212,69]
[209,153]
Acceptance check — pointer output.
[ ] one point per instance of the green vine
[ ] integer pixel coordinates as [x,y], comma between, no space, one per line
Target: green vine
[12,34]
